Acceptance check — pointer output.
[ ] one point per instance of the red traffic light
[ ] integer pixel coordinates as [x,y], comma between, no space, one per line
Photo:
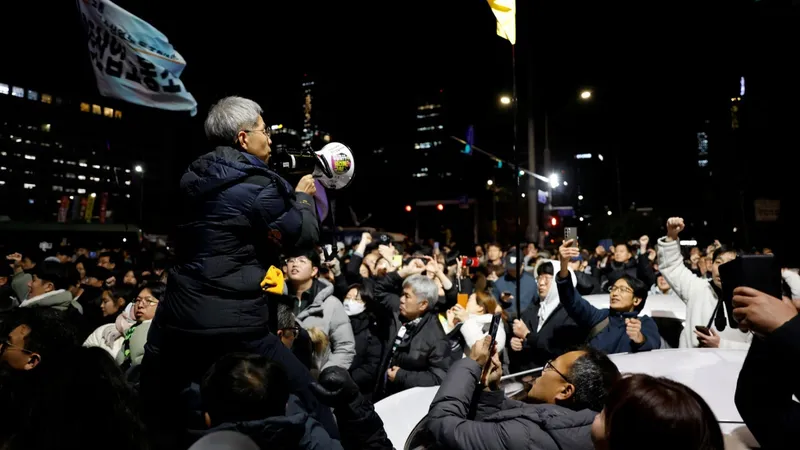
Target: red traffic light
[440,207]
[553,221]
[408,208]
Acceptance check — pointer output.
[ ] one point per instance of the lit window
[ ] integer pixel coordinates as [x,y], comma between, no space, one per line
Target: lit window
[441,127]
[425,116]
[3,153]
[420,175]
[2,182]
[71,163]
[96,109]
[4,89]
[47,98]
[31,201]
[416,146]
[127,170]
[118,114]
[55,161]
[127,182]
[58,188]
[17,91]
[108,112]
[85,107]
[702,163]
[127,195]
[106,167]
[28,185]
[18,140]
[428,128]
[3,168]
[81,191]
[28,172]
[95,166]
[70,175]
[83,164]
[82,177]
[96,179]
[69,190]
[428,106]
[46,127]
[33,95]
[31,157]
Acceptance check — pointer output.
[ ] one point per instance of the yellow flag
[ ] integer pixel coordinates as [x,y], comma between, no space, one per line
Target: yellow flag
[505,12]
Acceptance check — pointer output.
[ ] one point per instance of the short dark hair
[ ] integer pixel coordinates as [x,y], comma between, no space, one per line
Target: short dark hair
[71,275]
[309,253]
[53,272]
[241,387]
[127,293]
[545,268]
[725,249]
[494,244]
[156,288]
[666,413]
[51,334]
[285,316]
[593,374]
[65,250]
[639,289]
[113,257]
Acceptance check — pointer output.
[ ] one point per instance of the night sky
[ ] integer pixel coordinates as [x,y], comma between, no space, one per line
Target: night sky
[658,70]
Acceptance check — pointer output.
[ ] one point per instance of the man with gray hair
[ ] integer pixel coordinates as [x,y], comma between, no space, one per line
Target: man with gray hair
[416,349]
[238,217]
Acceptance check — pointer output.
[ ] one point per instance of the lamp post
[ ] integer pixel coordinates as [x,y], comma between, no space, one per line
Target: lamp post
[139,169]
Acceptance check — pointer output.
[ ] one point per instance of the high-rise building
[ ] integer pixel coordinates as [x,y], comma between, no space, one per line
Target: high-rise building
[65,160]
[309,126]
[429,139]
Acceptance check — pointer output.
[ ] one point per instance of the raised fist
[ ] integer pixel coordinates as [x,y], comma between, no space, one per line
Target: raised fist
[674,227]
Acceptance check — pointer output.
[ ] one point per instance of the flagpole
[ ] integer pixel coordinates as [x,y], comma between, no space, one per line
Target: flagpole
[517,179]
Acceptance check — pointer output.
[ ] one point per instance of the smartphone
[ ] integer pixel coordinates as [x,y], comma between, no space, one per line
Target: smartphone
[463,299]
[493,328]
[571,233]
[702,329]
[397,260]
[760,272]
[92,255]
[436,246]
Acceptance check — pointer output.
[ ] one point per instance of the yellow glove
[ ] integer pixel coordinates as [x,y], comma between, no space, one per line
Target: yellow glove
[273,281]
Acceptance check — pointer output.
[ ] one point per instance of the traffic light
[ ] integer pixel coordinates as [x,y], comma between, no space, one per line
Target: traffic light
[553,221]
[440,207]
[408,208]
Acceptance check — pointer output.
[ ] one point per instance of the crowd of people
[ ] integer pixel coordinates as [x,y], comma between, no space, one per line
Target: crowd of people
[253,335]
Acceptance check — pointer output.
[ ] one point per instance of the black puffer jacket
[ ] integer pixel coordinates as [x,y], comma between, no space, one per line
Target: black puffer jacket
[636,267]
[506,424]
[237,217]
[423,358]
[364,368]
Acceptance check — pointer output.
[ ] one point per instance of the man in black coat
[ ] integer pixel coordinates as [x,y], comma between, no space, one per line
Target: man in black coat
[623,262]
[417,352]
[569,393]
[773,417]
[546,330]
[238,217]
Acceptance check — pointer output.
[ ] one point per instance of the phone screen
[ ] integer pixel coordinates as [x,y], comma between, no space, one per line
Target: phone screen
[463,299]
[397,260]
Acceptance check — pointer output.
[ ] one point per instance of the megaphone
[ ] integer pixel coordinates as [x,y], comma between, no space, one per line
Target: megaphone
[333,166]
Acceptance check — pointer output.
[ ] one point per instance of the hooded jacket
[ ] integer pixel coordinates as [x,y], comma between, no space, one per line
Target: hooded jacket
[60,300]
[700,298]
[614,337]
[517,426]
[369,349]
[529,291]
[326,312]
[237,217]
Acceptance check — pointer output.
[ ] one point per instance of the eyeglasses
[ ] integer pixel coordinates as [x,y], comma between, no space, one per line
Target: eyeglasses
[298,260]
[295,329]
[549,366]
[624,289]
[149,300]
[4,344]
[265,131]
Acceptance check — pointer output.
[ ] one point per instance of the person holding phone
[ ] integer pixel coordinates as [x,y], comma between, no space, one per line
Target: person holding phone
[617,329]
[701,296]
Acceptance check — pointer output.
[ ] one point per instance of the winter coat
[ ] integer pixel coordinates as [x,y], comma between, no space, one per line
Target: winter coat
[529,292]
[19,283]
[700,298]
[423,357]
[477,326]
[59,300]
[558,333]
[510,425]
[772,417]
[238,216]
[364,369]
[614,337]
[96,339]
[136,345]
[295,430]
[326,312]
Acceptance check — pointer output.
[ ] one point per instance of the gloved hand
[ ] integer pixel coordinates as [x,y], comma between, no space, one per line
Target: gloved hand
[335,387]
[273,281]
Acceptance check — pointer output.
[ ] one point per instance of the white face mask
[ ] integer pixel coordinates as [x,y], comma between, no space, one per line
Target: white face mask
[353,307]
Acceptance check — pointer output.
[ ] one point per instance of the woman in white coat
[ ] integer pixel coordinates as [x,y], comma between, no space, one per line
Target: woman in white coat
[476,319]
[701,296]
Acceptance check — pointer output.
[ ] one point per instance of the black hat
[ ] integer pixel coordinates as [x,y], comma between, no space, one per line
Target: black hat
[100,273]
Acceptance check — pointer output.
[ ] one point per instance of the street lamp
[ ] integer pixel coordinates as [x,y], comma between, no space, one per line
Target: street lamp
[609,212]
[580,197]
[553,180]
[505,100]
[586,94]
[138,169]
[489,182]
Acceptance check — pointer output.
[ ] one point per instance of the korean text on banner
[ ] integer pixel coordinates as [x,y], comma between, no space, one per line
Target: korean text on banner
[132,60]
[505,13]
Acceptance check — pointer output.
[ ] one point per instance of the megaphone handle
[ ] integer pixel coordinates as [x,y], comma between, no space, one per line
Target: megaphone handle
[326,168]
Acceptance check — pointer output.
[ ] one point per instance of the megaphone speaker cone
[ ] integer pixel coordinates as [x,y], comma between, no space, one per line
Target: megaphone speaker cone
[337,160]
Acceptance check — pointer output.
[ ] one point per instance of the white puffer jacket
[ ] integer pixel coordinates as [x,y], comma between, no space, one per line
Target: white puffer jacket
[699,296]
